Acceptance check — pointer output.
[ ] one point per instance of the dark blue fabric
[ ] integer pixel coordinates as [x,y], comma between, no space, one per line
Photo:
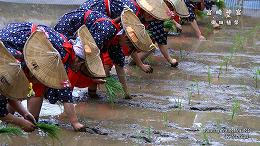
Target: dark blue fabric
[3,106]
[14,37]
[102,31]
[191,9]
[116,6]
[159,35]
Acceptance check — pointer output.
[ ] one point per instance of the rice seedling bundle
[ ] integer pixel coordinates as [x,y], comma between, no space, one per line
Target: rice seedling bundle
[200,14]
[11,131]
[235,108]
[220,4]
[168,24]
[113,88]
[49,129]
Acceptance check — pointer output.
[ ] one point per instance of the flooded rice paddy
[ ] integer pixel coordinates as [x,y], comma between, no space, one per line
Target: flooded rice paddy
[190,105]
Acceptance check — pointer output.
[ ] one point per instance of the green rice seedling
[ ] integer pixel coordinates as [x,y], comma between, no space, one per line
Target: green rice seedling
[190,91]
[257,73]
[200,14]
[148,132]
[169,25]
[205,138]
[220,4]
[179,104]
[11,131]
[220,69]
[226,61]
[209,76]
[235,108]
[181,54]
[113,88]
[50,130]
[165,118]
[197,86]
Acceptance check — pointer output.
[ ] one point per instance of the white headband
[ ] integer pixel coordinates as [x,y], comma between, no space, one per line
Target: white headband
[78,48]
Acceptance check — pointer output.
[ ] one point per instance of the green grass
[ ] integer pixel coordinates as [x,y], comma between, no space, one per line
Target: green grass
[50,130]
[113,88]
[11,131]
[235,108]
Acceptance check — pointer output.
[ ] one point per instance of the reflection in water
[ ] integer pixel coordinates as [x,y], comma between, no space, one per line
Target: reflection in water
[160,89]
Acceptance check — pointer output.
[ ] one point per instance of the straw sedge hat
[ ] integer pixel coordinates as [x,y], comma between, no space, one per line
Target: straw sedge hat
[157,8]
[180,7]
[135,31]
[44,61]
[93,62]
[13,82]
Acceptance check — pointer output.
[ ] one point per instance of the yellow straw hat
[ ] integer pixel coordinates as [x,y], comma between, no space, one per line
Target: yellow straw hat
[44,61]
[13,82]
[135,31]
[180,7]
[157,8]
[93,61]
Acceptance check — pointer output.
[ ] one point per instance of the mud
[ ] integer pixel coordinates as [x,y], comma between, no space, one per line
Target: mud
[155,116]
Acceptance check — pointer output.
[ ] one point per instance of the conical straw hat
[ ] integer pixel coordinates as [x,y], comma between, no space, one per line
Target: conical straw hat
[44,61]
[157,8]
[13,82]
[135,31]
[180,7]
[93,61]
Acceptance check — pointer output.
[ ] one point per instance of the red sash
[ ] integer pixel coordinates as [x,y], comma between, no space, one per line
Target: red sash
[67,45]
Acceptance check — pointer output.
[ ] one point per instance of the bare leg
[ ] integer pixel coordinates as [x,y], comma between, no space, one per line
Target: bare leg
[197,30]
[164,51]
[121,76]
[69,109]
[92,91]
[34,105]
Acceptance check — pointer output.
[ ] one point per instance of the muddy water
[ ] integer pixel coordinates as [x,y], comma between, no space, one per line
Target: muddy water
[153,117]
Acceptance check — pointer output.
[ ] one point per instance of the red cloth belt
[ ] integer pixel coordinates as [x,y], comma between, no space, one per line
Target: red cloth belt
[77,79]
[137,6]
[67,45]
[107,4]
[86,16]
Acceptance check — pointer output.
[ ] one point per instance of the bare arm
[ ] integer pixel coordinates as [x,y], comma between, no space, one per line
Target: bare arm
[139,63]
[24,124]
[17,106]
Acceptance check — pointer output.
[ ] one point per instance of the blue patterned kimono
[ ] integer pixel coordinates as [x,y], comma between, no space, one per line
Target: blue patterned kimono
[102,28]
[191,7]
[112,8]
[3,106]
[14,37]
[115,8]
